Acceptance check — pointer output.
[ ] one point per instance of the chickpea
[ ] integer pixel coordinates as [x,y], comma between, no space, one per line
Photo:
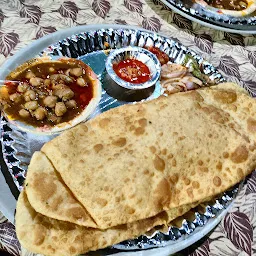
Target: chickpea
[71,104]
[24,113]
[29,75]
[51,69]
[58,77]
[64,94]
[76,72]
[50,101]
[29,95]
[40,113]
[67,72]
[53,82]
[15,97]
[47,82]
[22,87]
[42,93]
[36,81]
[53,118]
[67,94]
[57,92]
[59,86]
[60,109]
[243,4]
[81,82]
[4,104]
[31,105]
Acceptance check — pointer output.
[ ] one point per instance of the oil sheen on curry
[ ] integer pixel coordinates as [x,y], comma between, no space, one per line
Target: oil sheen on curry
[49,93]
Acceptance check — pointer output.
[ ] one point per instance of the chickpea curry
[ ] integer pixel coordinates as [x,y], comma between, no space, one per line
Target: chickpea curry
[50,93]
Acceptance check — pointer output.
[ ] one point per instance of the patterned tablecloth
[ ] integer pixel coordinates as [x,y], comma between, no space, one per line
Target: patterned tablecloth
[23,21]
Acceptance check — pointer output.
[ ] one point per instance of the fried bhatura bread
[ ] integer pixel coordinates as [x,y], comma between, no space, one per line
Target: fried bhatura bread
[135,161]
[239,106]
[49,195]
[42,180]
[48,236]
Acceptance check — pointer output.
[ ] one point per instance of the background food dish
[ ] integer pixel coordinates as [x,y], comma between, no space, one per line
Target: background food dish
[210,18]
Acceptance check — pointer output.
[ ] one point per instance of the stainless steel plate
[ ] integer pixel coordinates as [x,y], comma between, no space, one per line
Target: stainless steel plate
[92,47]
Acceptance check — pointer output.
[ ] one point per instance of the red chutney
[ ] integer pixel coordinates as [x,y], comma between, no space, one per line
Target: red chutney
[133,71]
[162,56]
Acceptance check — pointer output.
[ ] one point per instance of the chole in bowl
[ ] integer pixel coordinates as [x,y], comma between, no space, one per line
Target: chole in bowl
[50,96]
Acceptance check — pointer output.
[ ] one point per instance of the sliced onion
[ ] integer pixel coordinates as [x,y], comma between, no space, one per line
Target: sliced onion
[172,70]
[190,85]
[192,79]
[175,88]
[168,82]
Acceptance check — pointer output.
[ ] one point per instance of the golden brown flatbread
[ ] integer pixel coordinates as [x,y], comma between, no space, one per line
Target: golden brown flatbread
[48,236]
[140,165]
[135,161]
[50,196]
[234,101]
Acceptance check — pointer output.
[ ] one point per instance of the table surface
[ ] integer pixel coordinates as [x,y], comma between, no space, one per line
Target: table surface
[23,21]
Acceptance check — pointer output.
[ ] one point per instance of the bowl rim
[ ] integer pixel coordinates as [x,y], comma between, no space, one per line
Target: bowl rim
[132,86]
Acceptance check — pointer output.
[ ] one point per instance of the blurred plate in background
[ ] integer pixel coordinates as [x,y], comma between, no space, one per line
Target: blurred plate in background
[209,18]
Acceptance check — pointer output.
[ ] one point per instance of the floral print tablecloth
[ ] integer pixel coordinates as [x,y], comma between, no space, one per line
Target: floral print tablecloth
[22,21]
